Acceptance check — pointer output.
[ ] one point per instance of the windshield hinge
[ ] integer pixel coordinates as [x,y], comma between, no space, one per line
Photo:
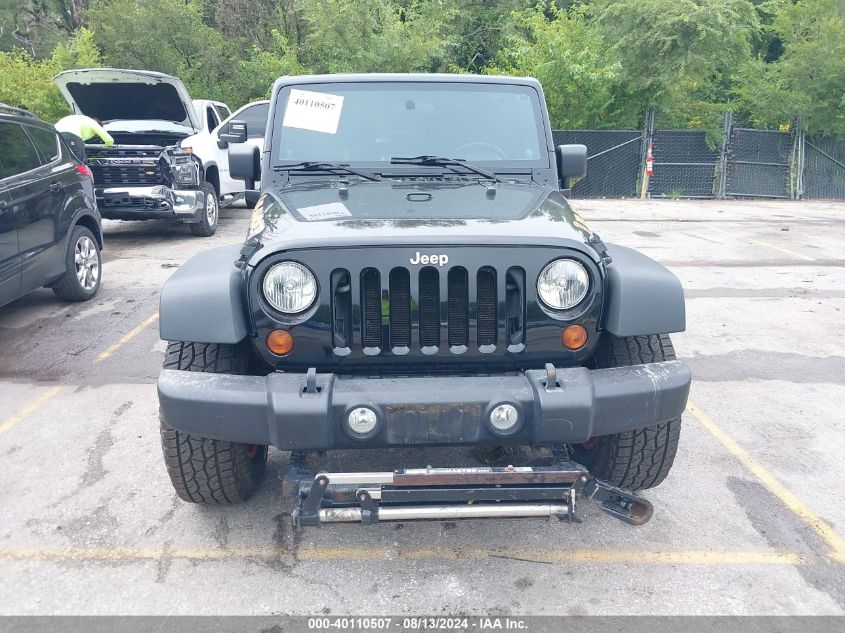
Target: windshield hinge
[540,176]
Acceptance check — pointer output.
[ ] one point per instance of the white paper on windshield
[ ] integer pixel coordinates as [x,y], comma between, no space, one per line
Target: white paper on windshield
[315,111]
[328,211]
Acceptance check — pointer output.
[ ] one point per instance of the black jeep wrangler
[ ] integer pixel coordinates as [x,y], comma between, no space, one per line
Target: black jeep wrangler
[413,276]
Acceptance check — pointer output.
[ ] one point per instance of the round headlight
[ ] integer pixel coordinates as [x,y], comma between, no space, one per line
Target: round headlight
[563,284]
[290,287]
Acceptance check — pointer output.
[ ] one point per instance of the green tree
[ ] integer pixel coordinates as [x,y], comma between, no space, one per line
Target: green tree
[27,81]
[567,54]
[369,36]
[677,55]
[474,30]
[37,26]
[248,22]
[602,63]
[167,36]
[807,81]
[255,75]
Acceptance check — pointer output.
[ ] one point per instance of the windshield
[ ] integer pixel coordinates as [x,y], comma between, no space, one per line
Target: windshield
[373,122]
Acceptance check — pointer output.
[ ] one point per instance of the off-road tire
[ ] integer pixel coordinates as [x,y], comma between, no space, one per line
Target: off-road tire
[207,226]
[69,287]
[204,470]
[640,458]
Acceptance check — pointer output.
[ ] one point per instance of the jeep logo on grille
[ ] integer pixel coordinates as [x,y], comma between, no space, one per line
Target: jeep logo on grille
[437,260]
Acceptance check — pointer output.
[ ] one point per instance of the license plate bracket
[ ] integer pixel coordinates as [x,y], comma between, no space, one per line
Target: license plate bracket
[433,423]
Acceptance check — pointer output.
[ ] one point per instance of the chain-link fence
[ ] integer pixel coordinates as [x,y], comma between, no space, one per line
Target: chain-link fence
[613,161]
[823,174]
[758,163]
[684,165]
[749,163]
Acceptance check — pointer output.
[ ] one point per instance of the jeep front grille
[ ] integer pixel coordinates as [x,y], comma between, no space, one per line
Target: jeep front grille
[422,309]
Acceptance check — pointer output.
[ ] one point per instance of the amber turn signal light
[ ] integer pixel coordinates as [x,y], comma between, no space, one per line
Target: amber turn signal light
[280,342]
[574,337]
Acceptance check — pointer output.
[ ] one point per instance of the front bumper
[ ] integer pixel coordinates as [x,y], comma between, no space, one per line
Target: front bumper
[307,411]
[151,203]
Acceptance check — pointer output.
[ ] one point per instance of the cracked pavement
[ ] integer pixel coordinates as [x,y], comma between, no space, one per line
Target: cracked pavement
[91,525]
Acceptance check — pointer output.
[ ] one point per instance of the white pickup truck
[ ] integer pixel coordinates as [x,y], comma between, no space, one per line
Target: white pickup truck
[167,161]
[214,118]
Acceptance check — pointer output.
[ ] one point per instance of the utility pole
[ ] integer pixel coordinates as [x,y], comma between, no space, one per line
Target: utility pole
[648,158]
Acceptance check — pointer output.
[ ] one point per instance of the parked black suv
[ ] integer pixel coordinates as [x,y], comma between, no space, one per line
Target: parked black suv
[414,276]
[50,232]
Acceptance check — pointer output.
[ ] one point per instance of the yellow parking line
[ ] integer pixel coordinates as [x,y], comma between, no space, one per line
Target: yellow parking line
[128,337]
[762,243]
[793,503]
[8,423]
[540,555]
[54,391]
[558,555]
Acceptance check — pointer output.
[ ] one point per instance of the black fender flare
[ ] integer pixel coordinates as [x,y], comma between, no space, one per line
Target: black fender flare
[204,300]
[207,165]
[642,296]
[82,210]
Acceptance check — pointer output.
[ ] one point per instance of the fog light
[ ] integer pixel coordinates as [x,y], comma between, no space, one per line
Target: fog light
[280,342]
[362,421]
[504,418]
[574,337]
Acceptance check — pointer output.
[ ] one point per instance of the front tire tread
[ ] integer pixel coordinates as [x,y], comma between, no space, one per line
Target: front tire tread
[641,458]
[205,470]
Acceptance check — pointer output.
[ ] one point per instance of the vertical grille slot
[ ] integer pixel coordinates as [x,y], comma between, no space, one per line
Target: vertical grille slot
[458,307]
[486,301]
[429,308]
[341,287]
[370,308]
[400,308]
[515,305]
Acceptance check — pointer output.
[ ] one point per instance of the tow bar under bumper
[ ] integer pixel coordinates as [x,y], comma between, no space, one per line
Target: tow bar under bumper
[459,493]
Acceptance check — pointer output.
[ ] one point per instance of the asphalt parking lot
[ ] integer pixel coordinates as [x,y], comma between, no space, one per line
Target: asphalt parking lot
[750,521]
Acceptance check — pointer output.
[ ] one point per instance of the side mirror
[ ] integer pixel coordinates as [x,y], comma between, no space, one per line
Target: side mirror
[235,132]
[571,163]
[245,164]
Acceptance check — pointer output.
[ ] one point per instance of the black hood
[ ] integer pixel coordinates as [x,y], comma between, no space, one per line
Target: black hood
[316,214]
[431,200]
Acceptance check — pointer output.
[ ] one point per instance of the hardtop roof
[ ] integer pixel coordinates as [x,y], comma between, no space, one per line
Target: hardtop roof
[406,78]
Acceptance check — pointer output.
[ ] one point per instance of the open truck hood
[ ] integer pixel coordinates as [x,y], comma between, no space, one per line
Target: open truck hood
[113,94]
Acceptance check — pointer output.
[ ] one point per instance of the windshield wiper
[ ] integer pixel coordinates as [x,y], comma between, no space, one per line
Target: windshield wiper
[320,166]
[442,161]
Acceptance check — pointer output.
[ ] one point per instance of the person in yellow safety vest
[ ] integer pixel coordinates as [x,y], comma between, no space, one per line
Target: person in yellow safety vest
[84,127]
[75,129]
